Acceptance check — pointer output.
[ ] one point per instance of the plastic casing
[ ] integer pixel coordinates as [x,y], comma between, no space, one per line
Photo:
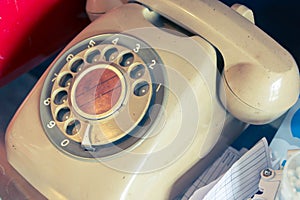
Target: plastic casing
[59,176]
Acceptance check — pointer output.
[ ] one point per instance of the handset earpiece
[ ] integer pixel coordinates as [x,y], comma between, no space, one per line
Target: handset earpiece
[257,95]
[261,79]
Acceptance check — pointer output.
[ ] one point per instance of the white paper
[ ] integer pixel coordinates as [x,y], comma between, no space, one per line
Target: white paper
[219,167]
[241,180]
[201,192]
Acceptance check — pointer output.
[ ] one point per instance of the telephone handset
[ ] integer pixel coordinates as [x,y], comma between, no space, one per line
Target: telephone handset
[256,70]
[129,107]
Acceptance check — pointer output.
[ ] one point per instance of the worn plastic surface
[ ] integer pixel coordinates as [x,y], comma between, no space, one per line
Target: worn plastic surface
[172,146]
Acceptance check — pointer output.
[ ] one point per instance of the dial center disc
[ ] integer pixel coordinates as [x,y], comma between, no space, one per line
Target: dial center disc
[98,91]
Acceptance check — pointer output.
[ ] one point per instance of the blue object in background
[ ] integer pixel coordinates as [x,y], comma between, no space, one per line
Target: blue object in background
[295,124]
[287,136]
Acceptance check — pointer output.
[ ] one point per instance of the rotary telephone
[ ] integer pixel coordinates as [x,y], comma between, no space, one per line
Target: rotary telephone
[134,106]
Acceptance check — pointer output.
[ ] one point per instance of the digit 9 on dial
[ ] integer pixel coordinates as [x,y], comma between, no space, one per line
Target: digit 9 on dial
[96,99]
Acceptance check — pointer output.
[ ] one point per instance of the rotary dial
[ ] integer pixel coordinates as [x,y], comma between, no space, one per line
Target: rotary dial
[96,98]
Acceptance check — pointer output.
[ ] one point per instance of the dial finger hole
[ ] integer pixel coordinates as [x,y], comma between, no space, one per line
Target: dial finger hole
[93,56]
[63,114]
[77,65]
[73,127]
[111,54]
[126,60]
[137,71]
[65,80]
[141,88]
[61,97]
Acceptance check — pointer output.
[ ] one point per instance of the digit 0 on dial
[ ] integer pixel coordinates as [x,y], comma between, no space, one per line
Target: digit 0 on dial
[96,98]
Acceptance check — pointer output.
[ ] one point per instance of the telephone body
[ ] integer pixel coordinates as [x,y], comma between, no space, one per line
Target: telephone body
[132,109]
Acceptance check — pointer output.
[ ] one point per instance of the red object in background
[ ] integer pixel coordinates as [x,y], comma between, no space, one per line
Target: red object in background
[33,30]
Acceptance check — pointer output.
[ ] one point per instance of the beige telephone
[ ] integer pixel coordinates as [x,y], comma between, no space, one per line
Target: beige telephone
[131,108]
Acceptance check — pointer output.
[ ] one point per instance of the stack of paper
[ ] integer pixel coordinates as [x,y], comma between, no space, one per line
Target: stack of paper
[240,175]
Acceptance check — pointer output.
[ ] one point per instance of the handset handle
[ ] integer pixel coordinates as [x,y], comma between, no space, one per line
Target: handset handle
[237,38]
[261,77]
